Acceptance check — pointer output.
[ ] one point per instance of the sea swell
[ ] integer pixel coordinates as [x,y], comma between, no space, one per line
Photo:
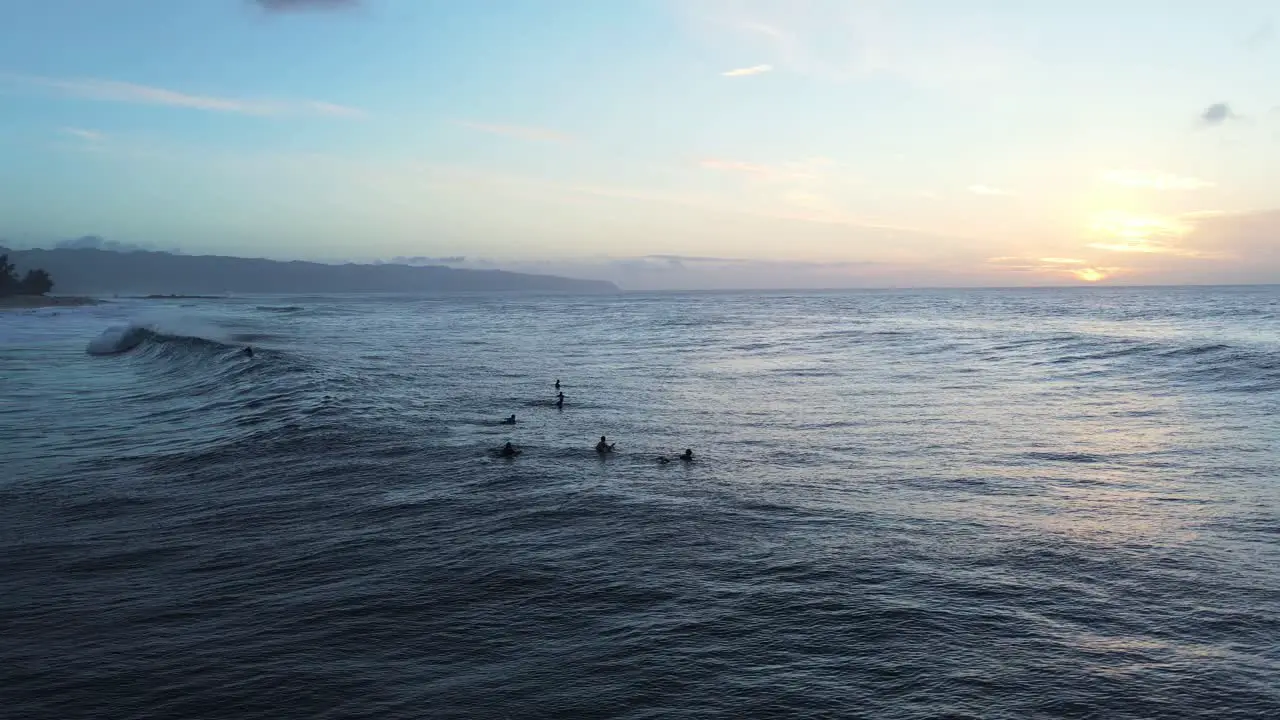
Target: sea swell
[902,506]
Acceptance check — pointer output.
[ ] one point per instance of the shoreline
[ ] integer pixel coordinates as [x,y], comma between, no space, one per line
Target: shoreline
[31,302]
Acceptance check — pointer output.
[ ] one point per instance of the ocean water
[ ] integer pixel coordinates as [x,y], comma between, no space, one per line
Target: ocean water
[946,504]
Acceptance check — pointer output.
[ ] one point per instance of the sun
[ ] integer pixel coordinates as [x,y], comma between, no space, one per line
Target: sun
[1091,275]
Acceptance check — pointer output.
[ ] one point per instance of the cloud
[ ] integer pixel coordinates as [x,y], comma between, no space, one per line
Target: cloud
[1126,227]
[424,260]
[1217,114]
[801,189]
[1151,235]
[842,41]
[1161,181]
[689,272]
[1056,267]
[988,190]
[1261,36]
[296,5]
[126,92]
[1205,247]
[1244,236]
[90,135]
[796,170]
[681,260]
[746,71]
[521,132]
[735,166]
[94,242]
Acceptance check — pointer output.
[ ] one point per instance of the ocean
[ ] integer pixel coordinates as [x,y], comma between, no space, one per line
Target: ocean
[1054,503]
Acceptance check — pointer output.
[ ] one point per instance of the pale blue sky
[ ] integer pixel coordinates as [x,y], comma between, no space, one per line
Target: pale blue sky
[808,141]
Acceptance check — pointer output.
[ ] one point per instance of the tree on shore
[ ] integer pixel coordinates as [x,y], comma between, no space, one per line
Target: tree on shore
[8,281]
[36,282]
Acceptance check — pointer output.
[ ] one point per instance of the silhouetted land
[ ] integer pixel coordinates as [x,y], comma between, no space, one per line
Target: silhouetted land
[91,271]
[26,302]
[30,290]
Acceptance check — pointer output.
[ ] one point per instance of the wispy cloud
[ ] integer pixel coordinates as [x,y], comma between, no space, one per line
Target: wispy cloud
[746,71]
[668,260]
[1059,267]
[1159,181]
[1264,34]
[521,132]
[83,134]
[1132,246]
[988,190]
[126,92]
[296,5]
[1217,114]
[1147,235]
[1249,237]
[797,170]
[95,242]
[682,272]
[844,41]
[735,166]
[425,260]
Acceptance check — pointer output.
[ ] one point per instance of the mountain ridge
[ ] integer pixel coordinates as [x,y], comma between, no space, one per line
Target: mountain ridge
[95,271]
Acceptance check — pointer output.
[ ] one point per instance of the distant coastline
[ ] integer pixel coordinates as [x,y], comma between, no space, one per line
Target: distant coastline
[28,302]
[155,296]
[142,273]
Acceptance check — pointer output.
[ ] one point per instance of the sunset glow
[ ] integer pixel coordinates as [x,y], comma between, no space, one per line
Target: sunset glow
[1090,274]
[739,142]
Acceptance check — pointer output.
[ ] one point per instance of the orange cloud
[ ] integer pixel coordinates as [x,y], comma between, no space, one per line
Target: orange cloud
[1057,267]
[1149,235]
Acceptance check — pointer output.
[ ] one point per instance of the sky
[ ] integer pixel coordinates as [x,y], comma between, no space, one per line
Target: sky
[658,143]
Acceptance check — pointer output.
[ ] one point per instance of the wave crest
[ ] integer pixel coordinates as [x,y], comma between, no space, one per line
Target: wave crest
[123,338]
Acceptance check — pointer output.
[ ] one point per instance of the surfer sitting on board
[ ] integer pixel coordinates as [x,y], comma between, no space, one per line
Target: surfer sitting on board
[508,450]
[603,447]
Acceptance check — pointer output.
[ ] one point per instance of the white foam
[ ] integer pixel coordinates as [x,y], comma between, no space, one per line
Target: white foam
[150,322]
[117,339]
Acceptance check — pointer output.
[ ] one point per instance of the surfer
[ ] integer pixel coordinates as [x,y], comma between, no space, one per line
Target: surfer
[557,383]
[508,450]
[510,421]
[560,401]
[248,351]
[687,456]
[603,446]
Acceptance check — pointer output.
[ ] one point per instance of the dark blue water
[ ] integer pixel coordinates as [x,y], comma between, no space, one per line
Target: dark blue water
[969,504]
